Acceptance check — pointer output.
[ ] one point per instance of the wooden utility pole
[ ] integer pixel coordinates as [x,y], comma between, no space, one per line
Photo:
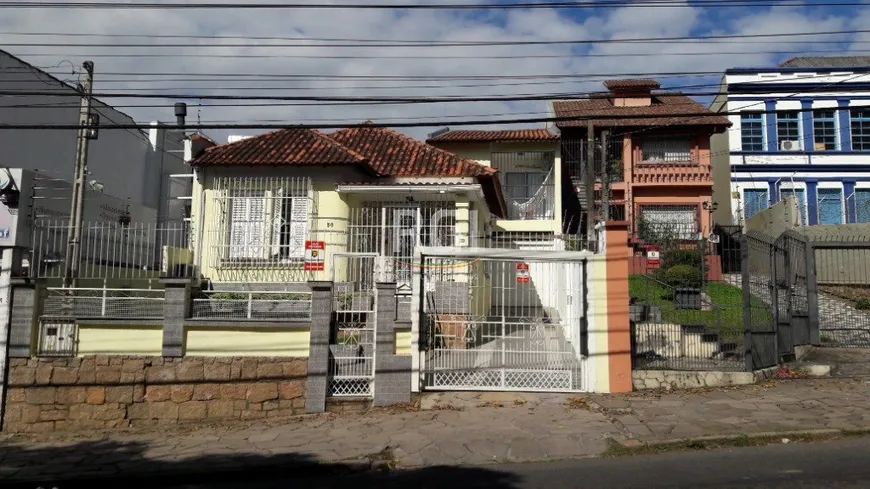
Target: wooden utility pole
[590,180]
[605,178]
[86,133]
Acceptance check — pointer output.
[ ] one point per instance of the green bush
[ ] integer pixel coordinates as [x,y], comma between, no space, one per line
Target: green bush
[862,304]
[683,277]
[679,256]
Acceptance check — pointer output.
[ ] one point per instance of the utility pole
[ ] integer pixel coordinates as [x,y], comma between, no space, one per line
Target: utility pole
[605,178]
[590,180]
[87,131]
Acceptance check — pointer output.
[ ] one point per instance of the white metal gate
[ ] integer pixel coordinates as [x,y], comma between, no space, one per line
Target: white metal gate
[352,335]
[502,319]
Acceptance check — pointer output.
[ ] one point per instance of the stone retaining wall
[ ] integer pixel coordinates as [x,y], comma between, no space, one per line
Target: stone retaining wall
[49,394]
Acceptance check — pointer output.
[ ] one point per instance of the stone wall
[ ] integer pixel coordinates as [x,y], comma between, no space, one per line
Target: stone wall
[49,394]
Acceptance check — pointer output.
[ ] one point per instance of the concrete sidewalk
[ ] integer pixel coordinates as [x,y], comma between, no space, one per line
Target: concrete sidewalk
[447,428]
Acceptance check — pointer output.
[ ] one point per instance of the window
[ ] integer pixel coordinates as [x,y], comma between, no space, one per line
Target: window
[529,195]
[660,223]
[830,206]
[250,236]
[668,150]
[860,128]
[801,198]
[788,126]
[754,201]
[824,130]
[862,206]
[751,131]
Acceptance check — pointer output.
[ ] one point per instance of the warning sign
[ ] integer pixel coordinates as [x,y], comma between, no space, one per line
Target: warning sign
[315,256]
[523,276]
[653,259]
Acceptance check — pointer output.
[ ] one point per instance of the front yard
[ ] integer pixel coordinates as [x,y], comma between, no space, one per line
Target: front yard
[723,309]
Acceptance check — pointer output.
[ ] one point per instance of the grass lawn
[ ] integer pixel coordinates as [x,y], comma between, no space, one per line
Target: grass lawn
[726,316]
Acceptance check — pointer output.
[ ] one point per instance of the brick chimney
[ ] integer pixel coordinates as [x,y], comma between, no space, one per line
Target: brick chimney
[632,92]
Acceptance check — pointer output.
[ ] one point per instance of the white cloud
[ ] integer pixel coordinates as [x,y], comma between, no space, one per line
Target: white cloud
[515,25]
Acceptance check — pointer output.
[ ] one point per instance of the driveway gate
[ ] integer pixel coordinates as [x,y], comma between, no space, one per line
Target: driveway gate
[502,319]
[352,337]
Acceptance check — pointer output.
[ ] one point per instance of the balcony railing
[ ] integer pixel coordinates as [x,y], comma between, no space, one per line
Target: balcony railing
[539,205]
[671,173]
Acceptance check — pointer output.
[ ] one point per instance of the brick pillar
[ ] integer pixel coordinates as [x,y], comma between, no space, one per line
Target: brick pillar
[392,372]
[175,309]
[318,349]
[24,318]
[617,253]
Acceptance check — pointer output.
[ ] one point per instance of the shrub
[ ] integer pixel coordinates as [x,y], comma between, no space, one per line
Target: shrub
[683,277]
[678,256]
[862,304]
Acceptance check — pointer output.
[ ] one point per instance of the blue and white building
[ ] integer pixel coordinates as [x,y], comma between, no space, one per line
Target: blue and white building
[800,129]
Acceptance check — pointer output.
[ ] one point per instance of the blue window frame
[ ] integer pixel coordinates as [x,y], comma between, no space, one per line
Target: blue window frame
[788,126]
[860,119]
[754,201]
[751,131]
[801,197]
[824,130]
[830,206]
[862,206]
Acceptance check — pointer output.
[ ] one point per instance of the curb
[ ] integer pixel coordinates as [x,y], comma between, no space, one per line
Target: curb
[633,444]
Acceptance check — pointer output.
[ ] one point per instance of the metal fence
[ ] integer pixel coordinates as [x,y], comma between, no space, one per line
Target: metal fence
[135,250]
[103,303]
[842,271]
[254,305]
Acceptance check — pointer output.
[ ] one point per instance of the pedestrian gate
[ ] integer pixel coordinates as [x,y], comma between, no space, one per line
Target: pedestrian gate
[502,319]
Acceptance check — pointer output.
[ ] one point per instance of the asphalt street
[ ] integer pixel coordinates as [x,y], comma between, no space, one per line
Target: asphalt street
[836,464]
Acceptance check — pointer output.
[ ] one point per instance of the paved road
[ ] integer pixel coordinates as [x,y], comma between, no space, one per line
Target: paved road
[838,465]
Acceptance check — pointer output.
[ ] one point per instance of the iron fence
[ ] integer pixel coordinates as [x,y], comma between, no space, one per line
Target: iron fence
[575,155]
[842,272]
[254,305]
[103,303]
[136,250]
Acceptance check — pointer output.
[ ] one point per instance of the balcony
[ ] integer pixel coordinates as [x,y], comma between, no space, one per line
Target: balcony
[661,173]
[528,180]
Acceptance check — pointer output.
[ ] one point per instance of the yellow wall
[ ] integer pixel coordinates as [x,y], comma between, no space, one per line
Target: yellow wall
[402,342]
[120,340]
[598,362]
[246,342]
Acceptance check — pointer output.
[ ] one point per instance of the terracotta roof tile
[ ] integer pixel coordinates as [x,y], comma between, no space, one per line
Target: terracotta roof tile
[285,147]
[671,109]
[639,83]
[517,135]
[393,154]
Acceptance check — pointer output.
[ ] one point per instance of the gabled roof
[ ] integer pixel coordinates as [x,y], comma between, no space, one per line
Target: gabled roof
[393,154]
[294,146]
[667,109]
[509,136]
[827,62]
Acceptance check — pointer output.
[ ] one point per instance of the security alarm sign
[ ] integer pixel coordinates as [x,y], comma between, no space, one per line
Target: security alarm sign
[523,276]
[652,256]
[315,255]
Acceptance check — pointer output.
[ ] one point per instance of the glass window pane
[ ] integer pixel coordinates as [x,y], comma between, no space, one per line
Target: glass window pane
[754,201]
[751,131]
[787,126]
[824,130]
[860,119]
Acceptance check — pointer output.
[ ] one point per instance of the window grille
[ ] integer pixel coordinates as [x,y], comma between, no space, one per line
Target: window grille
[666,150]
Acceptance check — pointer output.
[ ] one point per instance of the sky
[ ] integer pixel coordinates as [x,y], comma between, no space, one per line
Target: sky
[124,69]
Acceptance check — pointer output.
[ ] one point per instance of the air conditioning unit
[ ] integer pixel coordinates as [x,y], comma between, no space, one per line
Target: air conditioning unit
[790,145]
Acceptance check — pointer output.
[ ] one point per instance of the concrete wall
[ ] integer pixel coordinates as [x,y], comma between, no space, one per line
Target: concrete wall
[247,342]
[720,160]
[97,392]
[121,339]
[776,219]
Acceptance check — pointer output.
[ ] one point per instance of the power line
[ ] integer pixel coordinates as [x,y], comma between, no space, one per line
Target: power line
[583,4]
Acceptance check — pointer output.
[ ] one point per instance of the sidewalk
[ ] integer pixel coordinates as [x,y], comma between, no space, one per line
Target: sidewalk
[448,429]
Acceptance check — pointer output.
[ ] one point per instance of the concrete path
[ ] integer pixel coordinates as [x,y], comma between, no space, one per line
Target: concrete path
[446,429]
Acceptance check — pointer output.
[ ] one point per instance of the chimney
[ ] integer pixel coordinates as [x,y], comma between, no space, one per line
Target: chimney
[180,114]
[632,92]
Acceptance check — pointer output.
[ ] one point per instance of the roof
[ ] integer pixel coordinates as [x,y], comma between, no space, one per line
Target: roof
[293,146]
[827,62]
[632,83]
[393,154]
[671,109]
[513,136]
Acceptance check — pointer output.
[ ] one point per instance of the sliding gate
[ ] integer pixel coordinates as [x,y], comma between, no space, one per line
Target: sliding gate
[502,319]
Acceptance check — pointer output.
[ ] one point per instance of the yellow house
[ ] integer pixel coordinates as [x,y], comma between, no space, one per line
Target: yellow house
[297,205]
[540,198]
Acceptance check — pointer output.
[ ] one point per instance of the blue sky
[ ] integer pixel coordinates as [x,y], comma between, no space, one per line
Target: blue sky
[211,56]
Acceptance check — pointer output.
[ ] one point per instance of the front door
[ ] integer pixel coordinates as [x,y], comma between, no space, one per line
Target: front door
[403,237]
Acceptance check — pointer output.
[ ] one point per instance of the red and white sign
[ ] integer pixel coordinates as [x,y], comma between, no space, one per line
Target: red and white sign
[653,258]
[523,276]
[315,256]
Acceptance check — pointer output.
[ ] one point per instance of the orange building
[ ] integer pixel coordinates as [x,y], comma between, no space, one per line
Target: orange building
[658,154]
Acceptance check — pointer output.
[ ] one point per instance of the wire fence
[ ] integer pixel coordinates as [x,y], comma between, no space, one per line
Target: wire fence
[103,303]
[253,305]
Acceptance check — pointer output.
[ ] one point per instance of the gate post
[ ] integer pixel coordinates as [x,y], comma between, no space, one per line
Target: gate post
[812,294]
[318,347]
[617,254]
[745,281]
[392,371]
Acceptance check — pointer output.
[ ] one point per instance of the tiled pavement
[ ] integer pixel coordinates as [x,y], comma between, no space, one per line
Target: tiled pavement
[448,428]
